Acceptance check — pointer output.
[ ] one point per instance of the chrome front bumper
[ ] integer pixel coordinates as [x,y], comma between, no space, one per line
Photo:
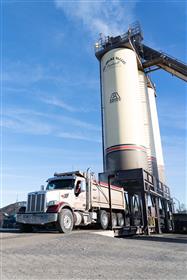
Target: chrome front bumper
[36,218]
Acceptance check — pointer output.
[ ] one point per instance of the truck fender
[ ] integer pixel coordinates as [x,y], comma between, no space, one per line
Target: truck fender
[67,206]
[64,205]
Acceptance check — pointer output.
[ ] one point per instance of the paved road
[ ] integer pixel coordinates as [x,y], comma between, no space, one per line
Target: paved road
[84,254]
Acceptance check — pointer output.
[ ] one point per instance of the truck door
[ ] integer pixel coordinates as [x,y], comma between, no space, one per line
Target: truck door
[80,195]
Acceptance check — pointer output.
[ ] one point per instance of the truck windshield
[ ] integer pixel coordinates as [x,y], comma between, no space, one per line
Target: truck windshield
[66,184]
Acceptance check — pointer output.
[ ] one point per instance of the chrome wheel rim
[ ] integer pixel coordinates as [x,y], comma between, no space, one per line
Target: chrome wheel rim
[105,220]
[67,222]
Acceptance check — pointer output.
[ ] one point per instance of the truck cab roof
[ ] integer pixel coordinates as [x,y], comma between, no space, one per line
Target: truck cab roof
[67,175]
[72,173]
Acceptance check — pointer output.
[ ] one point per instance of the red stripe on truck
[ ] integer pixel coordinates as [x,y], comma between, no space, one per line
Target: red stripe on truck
[105,185]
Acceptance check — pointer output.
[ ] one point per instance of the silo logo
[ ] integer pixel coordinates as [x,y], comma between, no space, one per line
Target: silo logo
[115,97]
[113,61]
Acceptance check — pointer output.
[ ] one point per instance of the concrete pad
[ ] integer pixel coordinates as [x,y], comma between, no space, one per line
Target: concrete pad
[109,233]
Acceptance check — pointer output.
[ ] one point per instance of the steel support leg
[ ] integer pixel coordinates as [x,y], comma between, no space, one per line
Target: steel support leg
[158,215]
[145,213]
[166,220]
[131,208]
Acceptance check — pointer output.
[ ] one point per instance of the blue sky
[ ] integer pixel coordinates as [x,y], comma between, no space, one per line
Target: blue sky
[50,87]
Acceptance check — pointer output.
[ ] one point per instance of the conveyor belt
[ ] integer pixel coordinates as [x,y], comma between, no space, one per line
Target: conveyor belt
[152,57]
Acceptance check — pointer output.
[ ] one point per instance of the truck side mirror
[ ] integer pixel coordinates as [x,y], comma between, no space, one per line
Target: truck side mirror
[42,188]
[83,186]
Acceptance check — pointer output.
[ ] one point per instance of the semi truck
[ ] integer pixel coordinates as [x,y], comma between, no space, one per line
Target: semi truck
[73,199]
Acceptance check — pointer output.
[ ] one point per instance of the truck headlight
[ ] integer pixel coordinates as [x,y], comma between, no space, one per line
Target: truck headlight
[52,202]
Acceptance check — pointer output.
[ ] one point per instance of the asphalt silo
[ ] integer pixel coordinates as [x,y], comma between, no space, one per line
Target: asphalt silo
[124,142]
[147,123]
[156,132]
[132,150]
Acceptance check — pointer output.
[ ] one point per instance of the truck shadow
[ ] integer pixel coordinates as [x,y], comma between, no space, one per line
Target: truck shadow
[9,230]
[171,239]
[45,230]
[174,238]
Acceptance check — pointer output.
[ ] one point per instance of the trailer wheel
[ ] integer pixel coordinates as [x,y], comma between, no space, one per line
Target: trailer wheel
[120,220]
[65,221]
[114,220]
[25,228]
[103,219]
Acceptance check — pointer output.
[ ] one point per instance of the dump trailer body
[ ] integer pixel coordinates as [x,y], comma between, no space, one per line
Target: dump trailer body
[100,196]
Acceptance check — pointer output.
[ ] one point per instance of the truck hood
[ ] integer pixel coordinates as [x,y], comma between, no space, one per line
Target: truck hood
[54,195]
[58,195]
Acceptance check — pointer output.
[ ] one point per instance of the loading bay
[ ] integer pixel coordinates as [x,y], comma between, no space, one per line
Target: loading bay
[92,254]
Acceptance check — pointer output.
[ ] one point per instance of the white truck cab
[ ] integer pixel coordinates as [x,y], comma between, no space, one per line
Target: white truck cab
[72,199]
[67,189]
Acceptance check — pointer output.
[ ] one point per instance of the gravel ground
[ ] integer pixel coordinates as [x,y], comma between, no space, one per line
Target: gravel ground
[83,254]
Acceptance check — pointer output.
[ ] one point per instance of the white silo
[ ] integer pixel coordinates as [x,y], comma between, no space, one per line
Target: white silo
[123,131]
[156,133]
[148,129]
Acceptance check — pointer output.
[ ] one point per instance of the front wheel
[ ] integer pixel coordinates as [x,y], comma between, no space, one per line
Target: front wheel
[65,221]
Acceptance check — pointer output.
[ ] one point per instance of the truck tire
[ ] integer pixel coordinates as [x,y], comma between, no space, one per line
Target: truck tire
[103,219]
[65,221]
[120,220]
[114,220]
[25,228]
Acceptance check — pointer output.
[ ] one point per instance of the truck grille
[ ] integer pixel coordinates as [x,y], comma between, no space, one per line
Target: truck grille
[36,202]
